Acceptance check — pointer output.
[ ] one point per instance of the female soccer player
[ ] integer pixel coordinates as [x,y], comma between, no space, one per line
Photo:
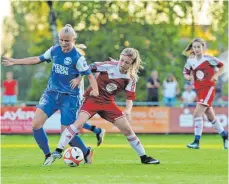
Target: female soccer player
[114,76]
[60,93]
[205,70]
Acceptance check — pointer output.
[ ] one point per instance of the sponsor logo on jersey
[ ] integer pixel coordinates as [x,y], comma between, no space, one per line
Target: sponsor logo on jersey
[111,87]
[60,69]
[67,61]
[200,75]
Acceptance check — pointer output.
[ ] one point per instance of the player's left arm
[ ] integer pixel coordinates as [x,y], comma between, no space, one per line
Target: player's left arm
[129,105]
[84,69]
[130,96]
[220,67]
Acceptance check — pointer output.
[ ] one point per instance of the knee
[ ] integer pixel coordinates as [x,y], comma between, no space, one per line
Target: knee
[197,114]
[127,131]
[36,124]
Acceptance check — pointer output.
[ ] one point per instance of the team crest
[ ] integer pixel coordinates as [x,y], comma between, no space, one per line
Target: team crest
[67,61]
[200,75]
[111,87]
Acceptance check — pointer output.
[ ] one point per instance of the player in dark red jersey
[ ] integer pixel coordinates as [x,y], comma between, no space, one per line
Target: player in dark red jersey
[115,76]
[204,70]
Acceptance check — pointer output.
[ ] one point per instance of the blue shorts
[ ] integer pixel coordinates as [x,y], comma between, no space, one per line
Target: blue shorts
[68,105]
[9,99]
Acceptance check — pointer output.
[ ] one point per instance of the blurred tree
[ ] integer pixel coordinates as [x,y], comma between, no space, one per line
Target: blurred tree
[160,30]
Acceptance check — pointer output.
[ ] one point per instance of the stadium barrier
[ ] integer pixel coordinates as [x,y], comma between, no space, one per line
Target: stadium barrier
[17,120]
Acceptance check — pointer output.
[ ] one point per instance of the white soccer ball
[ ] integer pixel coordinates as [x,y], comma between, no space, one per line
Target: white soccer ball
[73,156]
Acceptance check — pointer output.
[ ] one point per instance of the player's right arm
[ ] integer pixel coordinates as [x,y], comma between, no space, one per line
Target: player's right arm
[187,71]
[28,61]
[25,61]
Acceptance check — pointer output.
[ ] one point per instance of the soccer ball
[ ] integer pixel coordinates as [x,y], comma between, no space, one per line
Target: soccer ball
[73,156]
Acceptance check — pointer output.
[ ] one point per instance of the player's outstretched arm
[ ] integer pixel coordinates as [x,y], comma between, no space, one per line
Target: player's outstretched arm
[25,61]
[94,85]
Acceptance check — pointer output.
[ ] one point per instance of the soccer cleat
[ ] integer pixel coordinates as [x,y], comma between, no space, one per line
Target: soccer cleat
[88,158]
[225,143]
[149,160]
[100,136]
[52,158]
[48,161]
[56,155]
[193,145]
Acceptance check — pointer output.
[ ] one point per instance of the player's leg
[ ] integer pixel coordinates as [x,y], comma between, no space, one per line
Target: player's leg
[44,110]
[123,125]
[198,124]
[38,131]
[78,142]
[69,113]
[217,125]
[99,132]
[113,113]
[69,133]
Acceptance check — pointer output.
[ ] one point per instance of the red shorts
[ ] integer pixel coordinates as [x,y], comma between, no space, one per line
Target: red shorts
[206,96]
[108,111]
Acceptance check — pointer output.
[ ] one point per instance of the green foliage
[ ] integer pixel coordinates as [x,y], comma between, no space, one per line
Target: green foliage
[158,29]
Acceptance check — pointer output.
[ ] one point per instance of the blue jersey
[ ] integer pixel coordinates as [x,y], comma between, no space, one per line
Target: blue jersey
[66,66]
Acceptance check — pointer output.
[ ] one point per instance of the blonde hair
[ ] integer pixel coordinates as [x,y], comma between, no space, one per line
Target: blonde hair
[188,51]
[68,29]
[137,63]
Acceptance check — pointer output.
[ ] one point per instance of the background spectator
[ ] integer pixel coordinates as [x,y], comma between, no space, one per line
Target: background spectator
[10,90]
[170,90]
[153,85]
[219,91]
[188,96]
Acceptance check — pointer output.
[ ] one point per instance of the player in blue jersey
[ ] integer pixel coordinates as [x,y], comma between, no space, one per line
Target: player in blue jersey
[60,93]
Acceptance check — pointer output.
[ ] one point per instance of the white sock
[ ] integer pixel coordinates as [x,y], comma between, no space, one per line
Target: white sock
[198,126]
[67,136]
[136,144]
[218,126]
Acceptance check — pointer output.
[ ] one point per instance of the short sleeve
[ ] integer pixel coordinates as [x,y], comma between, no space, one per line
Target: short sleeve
[187,67]
[46,56]
[130,89]
[215,61]
[82,66]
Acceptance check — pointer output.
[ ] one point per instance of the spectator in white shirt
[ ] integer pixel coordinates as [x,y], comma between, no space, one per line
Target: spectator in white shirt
[189,96]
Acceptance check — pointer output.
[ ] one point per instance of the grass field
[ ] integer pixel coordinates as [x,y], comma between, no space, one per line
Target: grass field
[116,162]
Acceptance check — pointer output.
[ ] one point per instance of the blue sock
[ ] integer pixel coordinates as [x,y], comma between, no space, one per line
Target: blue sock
[41,139]
[92,128]
[197,138]
[224,134]
[77,142]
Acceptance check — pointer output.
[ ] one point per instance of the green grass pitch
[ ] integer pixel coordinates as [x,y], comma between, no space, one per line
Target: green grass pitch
[116,162]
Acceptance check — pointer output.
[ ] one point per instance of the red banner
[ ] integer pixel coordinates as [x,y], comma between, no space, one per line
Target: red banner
[144,120]
[181,120]
[19,120]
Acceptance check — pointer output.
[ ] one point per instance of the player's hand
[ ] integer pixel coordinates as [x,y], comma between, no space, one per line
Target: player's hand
[7,61]
[94,93]
[188,77]
[214,78]
[112,59]
[75,82]
[128,115]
